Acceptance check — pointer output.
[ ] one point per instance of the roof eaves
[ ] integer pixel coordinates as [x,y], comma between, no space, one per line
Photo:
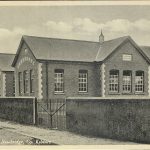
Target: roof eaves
[17,53]
[140,51]
[76,61]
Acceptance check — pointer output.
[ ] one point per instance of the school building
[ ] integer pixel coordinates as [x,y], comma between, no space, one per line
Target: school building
[58,68]
[7,83]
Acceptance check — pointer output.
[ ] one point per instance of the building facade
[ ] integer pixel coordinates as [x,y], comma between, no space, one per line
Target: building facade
[7,88]
[53,68]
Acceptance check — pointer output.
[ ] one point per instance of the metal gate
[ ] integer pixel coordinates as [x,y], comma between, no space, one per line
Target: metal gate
[52,114]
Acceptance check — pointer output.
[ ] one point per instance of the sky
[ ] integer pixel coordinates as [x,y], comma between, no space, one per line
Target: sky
[73,22]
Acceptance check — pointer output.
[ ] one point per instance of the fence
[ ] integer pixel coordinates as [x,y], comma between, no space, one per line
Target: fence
[52,114]
[22,110]
[123,119]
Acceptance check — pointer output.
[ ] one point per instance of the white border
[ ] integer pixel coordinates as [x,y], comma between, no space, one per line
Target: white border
[77,3]
[71,3]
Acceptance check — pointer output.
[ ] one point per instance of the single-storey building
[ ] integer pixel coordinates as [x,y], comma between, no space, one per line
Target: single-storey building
[54,68]
[7,83]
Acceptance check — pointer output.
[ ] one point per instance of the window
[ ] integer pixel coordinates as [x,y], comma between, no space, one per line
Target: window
[83,81]
[127,78]
[139,81]
[20,82]
[13,85]
[25,75]
[31,81]
[127,57]
[114,81]
[59,80]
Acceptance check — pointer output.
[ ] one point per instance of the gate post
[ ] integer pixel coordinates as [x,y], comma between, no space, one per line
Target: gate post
[35,114]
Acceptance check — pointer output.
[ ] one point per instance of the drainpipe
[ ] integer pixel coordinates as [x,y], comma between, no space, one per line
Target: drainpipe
[47,94]
[48,100]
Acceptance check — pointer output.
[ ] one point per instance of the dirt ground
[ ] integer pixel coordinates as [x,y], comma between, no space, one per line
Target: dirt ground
[8,137]
[16,134]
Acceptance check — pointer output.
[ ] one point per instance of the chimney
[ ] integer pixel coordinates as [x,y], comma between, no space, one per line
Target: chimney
[101,38]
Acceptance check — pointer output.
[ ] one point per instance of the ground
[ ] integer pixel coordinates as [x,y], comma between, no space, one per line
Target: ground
[8,137]
[15,134]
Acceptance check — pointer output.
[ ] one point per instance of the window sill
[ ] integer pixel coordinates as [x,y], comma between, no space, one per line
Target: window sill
[83,93]
[114,93]
[59,93]
[126,93]
[139,93]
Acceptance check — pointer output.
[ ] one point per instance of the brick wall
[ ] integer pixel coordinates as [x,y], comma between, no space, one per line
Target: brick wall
[123,119]
[115,62]
[22,110]
[71,73]
[26,61]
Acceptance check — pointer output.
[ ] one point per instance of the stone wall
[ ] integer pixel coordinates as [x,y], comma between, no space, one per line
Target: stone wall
[116,118]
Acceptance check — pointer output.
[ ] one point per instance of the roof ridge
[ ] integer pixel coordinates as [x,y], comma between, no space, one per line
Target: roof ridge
[60,39]
[7,53]
[144,46]
[127,36]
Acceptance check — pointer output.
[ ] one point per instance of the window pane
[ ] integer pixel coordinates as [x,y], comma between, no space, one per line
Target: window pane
[25,81]
[59,84]
[83,81]
[127,78]
[31,81]
[20,82]
[139,81]
[113,80]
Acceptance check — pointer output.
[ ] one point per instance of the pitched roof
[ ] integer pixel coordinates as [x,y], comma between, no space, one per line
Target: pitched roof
[70,50]
[108,47]
[146,50]
[6,61]
[62,49]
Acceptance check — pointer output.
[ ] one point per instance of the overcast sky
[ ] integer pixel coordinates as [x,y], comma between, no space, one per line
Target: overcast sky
[73,22]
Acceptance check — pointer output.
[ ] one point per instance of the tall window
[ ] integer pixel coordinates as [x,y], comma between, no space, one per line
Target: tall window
[13,85]
[127,81]
[139,81]
[114,81]
[25,76]
[20,82]
[31,81]
[83,81]
[59,80]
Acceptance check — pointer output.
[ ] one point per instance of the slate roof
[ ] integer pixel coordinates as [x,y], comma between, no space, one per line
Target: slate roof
[70,50]
[62,49]
[146,50]
[6,61]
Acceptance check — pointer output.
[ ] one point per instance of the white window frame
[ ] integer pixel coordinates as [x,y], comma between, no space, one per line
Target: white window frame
[114,81]
[139,82]
[127,82]
[83,81]
[59,81]
[127,57]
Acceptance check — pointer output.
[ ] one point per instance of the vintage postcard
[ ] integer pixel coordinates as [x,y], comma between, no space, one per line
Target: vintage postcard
[75,73]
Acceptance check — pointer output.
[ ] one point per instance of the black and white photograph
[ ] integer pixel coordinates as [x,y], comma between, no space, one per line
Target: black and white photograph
[74,74]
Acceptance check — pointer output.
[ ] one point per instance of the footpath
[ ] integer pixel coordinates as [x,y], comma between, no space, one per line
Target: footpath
[58,137]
